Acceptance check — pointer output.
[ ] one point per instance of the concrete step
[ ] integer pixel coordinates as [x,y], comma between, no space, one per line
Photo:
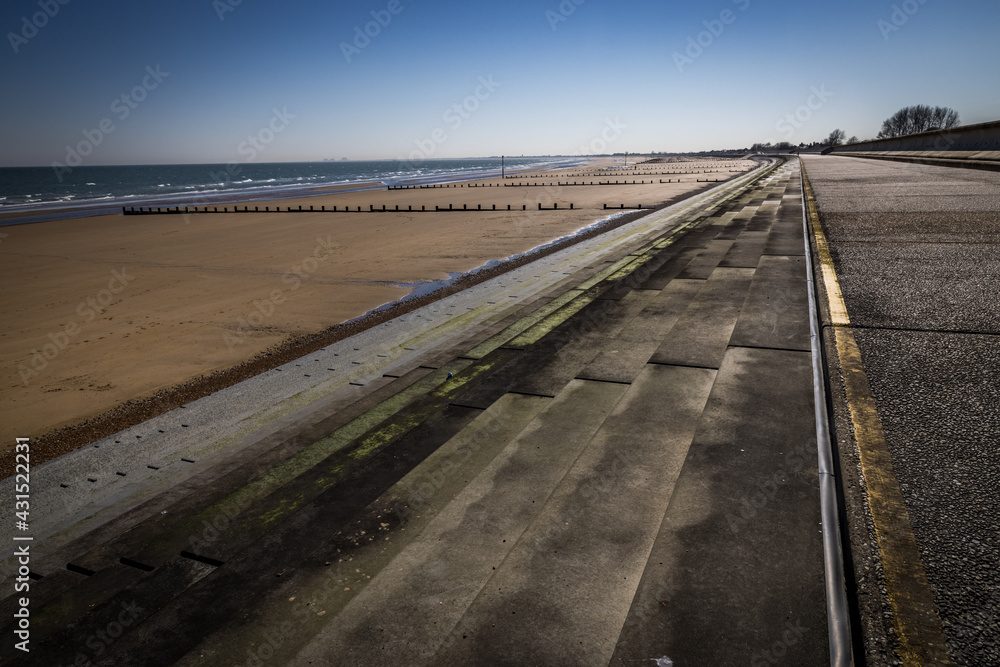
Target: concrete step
[701,334]
[737,567]
[218,530]
[786,236]
[313,532]
[561,595]
[283,517]
[188,525]
[624,356]
[59,639]
[670,269]
[705,262]
[583,338]
[775,313]
[174,521]
[258,451]
[316,592]
[746,250]
[407,612]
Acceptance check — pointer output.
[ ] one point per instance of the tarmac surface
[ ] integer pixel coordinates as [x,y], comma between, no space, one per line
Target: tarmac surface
[916,252]
[621,468]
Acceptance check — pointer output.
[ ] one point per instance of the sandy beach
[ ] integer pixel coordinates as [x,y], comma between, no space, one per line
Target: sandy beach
[109,309]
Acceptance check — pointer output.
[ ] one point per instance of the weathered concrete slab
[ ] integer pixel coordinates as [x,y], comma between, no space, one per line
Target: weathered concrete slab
[732,230]
[639,275]
[670,269]
[776,311]
[562,594]
[133,605]
[626,354]
[410,611]
[312,595]
[737,569]
[546,367]
[700,336]
[786,237]
[288,453]
[706,261]
[307,532]
[585,336]
[746,250]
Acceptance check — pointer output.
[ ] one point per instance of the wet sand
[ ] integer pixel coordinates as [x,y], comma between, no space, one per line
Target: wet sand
[105,310]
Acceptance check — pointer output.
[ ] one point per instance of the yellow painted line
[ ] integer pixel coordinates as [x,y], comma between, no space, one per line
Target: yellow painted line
[838,310]
[914,615]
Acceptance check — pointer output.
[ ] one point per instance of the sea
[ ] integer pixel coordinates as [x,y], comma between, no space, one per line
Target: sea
[36,194]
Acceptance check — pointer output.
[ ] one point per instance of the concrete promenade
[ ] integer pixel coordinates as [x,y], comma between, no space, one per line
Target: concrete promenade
[622,470]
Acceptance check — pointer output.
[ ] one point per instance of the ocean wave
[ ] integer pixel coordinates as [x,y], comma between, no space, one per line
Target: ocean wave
[179,184]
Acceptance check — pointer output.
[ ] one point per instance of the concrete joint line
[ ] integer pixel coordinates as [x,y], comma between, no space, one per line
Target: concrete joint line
[676,365]
[586,379]
[915,617]
[960,332]
[764,347]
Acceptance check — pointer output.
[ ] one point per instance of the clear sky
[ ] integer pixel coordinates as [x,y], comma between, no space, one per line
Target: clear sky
[231,80]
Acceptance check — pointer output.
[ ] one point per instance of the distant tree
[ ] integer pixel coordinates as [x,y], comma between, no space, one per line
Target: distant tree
[918,118]
[836,138]
[853,139]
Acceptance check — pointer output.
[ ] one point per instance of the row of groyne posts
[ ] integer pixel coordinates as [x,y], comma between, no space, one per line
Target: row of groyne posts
[713,168]
[632,173]
[560,184]
[526,185]
[190,210]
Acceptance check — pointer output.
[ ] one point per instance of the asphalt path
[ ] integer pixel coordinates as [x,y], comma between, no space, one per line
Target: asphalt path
[916,252]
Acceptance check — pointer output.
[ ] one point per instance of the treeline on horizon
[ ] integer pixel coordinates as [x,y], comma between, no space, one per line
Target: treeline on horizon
[913,119]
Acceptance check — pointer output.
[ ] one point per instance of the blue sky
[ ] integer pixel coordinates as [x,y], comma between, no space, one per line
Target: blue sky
[231,80]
